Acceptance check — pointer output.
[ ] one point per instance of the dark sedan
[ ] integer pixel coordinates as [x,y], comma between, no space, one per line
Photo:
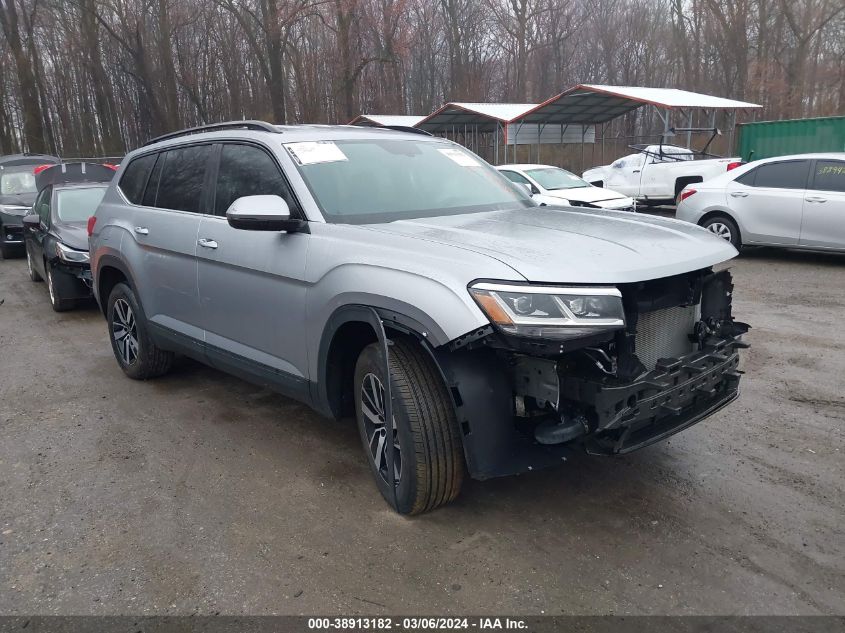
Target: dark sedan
[56,235]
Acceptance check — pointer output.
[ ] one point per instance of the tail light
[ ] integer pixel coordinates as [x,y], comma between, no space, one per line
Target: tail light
[41,168]
[734,164]
[91,222]
[686,193]
[114,167]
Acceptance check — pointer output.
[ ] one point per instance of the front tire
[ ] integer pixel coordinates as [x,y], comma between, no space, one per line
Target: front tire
[724,227]
[57,283]
[33,274]
[427,453]
[137,355]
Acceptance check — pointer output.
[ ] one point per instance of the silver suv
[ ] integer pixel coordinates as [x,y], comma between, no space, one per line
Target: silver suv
[320,260]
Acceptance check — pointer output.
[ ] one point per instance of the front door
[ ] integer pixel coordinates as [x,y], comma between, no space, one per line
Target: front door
[625,174]
[34,237]
[768,202]
[251,283]
[823,225]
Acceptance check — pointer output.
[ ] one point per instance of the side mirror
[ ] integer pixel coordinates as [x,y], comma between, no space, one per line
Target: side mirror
[527,187]
[263,213]
[31,221]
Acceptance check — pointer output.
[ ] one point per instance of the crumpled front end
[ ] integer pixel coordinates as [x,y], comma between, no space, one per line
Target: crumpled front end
[528,403]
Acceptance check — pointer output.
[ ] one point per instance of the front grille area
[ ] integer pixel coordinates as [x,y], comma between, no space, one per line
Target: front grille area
[664,334]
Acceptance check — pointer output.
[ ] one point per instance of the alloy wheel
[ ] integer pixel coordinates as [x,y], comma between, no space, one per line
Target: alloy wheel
[372,406]
[720,229]
[124,331]
[50,285]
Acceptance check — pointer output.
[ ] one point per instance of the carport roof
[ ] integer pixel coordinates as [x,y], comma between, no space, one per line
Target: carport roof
[589,104]
[458,114]
[382,120]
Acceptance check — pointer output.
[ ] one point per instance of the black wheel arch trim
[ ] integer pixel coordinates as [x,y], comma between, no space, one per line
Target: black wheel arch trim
[110,261]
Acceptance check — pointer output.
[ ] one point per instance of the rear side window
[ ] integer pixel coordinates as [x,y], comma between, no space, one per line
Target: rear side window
[829,175]
[135,177]
[246,170]
[180,185]
[787,175]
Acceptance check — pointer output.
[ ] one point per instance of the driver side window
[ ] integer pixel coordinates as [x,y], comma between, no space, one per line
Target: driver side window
[42,205]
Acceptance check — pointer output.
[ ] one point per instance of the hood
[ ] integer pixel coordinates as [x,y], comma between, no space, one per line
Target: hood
[73,234]
[19,200]
[585,194]
[569,245]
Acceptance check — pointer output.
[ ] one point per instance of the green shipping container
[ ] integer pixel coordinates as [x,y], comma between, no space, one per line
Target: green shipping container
[794,136]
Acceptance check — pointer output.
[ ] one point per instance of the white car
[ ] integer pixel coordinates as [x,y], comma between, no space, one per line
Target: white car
[792,201]
[658,173]
[553,185]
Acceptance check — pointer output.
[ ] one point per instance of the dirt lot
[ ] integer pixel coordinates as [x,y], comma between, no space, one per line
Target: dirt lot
[199,493]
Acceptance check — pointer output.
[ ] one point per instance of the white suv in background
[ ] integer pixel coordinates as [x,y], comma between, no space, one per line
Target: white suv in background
[791,201]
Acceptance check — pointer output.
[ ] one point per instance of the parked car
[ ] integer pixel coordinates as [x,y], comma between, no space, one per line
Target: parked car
[793,201]
[55,232]
[398,278]
[17,193]
[656,174]
[553,185]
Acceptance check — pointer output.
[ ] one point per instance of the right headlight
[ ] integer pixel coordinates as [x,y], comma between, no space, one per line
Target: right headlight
[550,311]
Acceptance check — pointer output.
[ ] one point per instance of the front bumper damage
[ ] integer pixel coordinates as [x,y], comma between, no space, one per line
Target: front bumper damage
[524,406]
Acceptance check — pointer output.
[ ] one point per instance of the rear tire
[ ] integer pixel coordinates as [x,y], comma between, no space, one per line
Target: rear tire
[137,355]
[428,447]
[724,227]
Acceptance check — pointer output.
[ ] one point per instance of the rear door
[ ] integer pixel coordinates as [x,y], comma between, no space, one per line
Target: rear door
[768,202]
[823,225]
[165,231]
[251,283]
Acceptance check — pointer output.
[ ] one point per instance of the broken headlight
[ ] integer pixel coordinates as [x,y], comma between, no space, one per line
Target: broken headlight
[550,311]
[71,255]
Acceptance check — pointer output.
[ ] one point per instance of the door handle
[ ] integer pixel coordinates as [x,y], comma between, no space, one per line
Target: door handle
[739,194]
[636,171]
[142,230]
[815,199]
[207,243]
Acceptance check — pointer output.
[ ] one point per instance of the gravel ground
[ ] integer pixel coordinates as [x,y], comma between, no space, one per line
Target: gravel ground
[199,493]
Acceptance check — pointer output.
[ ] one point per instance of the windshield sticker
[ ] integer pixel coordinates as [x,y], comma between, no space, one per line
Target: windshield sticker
[463,159]
[313,152]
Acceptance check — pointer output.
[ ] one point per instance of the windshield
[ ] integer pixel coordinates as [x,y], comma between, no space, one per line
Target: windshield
[554,178]
[17,182]
[381,180]
[77,205]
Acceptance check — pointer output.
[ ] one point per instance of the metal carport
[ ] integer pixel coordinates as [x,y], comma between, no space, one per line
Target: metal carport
[473,121]
[386,120]
[592,105]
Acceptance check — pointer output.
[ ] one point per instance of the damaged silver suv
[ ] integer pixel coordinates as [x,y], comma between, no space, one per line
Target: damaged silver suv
[397,278]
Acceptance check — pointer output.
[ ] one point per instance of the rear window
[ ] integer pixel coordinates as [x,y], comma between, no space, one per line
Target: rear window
[77,205]
[17,181]
[135,177]
[829,175]
[785,175]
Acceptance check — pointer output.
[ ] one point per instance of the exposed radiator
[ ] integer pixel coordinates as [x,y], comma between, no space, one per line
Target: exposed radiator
[665,333]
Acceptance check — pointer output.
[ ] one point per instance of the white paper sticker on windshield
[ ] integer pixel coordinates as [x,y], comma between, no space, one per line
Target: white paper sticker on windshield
[462,158]
[312,152]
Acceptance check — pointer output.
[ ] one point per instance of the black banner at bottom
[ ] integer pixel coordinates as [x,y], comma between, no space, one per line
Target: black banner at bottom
[405,624]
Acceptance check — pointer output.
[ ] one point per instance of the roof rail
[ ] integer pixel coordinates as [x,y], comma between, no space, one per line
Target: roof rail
[212,127]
